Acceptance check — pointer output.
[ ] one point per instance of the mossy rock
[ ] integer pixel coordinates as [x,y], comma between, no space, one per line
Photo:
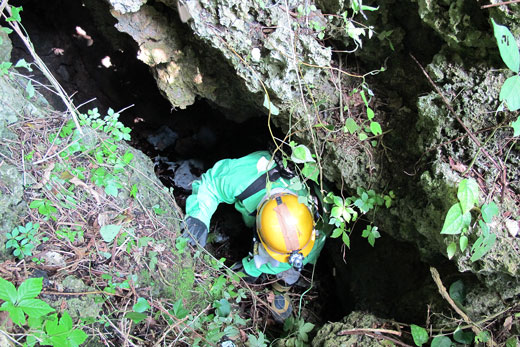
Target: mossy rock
[344,333]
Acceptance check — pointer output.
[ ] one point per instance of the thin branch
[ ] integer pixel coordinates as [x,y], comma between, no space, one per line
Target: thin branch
[444,293]
[368,332]
[501,3]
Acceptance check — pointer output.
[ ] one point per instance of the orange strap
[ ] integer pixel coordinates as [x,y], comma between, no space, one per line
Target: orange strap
[289,230]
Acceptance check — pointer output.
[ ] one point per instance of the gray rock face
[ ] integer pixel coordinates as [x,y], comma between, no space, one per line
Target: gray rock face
[261,53]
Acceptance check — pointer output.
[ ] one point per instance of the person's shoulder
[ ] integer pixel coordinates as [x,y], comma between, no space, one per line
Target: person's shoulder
[258,154]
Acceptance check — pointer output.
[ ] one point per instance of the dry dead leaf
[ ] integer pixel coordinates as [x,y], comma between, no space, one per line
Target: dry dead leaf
[46,176]
[77,182]
[508,322]
[270,297]
[459,167]
[512,227]
[105,218]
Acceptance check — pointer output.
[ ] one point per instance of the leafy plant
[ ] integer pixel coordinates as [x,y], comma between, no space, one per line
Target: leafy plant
[297,331]
[260,341]
[351,29]
[109,124]
[24,309]
[302,155]
[21,240]
[103,178]
[21,302]
[57,332]
[70,234]
[45,207]
[371,233]
[138,315]
[458,221]
[510,91]
[342,212]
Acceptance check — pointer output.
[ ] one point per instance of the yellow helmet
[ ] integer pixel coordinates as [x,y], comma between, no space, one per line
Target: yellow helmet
[286,228]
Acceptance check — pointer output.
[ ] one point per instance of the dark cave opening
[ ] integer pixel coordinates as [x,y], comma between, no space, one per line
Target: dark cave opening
[372,279]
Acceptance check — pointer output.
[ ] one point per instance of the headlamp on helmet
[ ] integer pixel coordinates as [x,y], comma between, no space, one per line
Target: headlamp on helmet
[296,260]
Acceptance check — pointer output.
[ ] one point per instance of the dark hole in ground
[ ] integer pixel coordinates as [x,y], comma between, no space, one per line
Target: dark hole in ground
[377,280]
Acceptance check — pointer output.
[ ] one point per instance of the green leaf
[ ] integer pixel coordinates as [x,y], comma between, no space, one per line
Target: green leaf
[370,113]
[516,127]
[483,336]
[346,239]
[468,194]
[419,334]
[463,243]
[66,321]
[489,211]
[223,307]
[441,341]
[17,315]
[310,171]
[4,67]
[30,288]
[307,327]
[482,245]
[36,203]
[465,337]
[111,189]
[375,128]
[7,291]
[510,93]
[29,89]
[337,233]
[455,220]
[141,305]
[109,232]
[452,248]
[362,136]
[136,317]
[351,126]
[512,342]
[77,337]
[127,157]
[301,154]
[35,307]
[133,191]
[269,105]
[458,292]
[178,309]
[24,64]
[15,14]
[507,46]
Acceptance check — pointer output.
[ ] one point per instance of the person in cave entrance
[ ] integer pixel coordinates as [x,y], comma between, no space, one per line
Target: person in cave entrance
[266,194]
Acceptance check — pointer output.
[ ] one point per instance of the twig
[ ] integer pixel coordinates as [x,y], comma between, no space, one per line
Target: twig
[368,332]
[444,293]
[10,338]
[377,331]
[119,331]
[79,293]
[500,4]
[165,311]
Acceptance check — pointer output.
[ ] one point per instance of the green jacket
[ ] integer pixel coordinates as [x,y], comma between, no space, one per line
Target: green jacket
[227,179]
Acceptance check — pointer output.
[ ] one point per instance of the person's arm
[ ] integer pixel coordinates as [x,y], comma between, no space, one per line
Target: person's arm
[221,184]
